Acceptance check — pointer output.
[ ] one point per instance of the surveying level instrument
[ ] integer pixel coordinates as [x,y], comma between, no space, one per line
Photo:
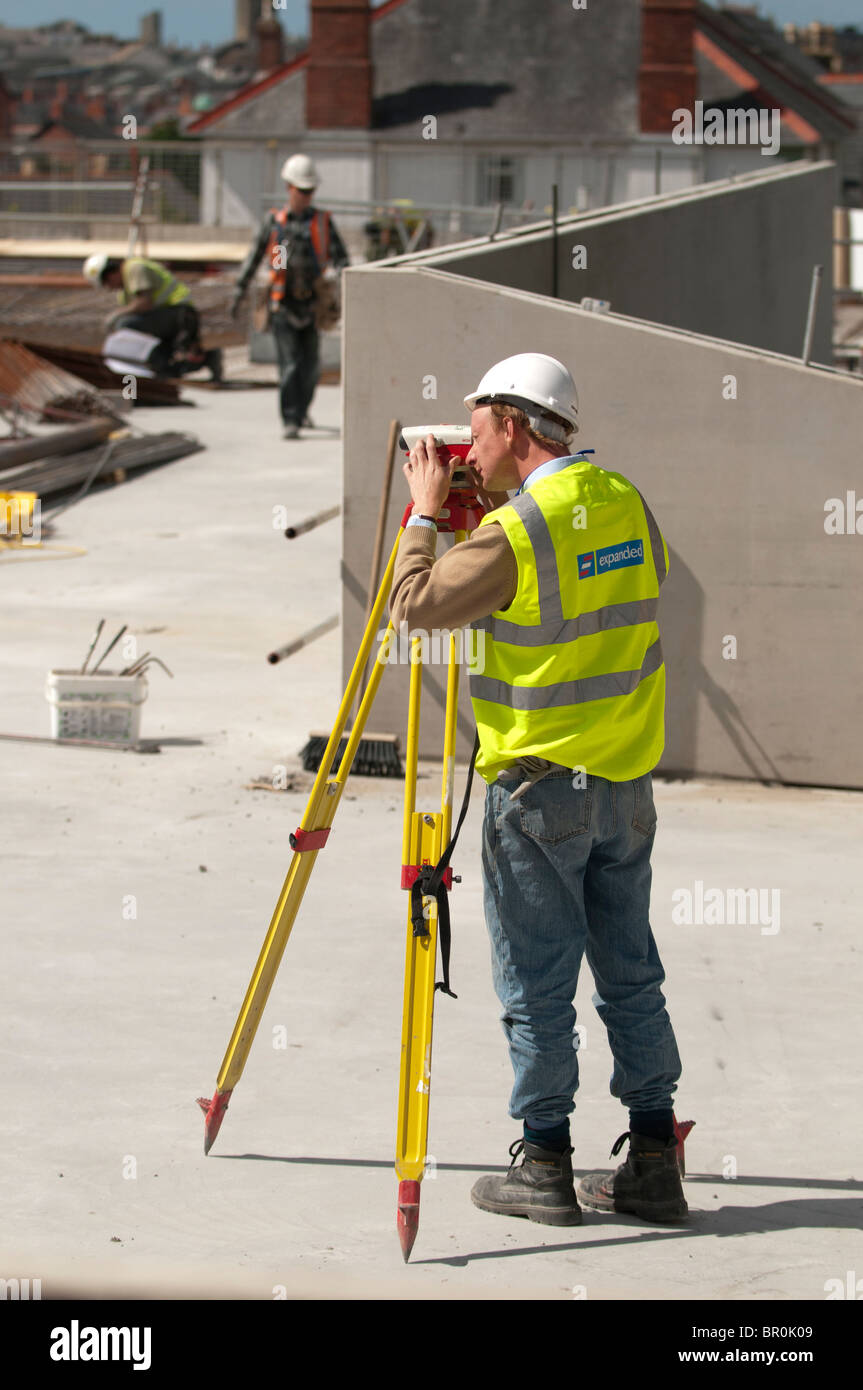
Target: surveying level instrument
[427,844]
[451,441]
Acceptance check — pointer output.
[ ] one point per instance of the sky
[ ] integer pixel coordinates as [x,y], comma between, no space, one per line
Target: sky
[212,21]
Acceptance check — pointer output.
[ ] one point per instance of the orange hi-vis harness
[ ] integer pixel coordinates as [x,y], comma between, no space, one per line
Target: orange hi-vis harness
[320,244]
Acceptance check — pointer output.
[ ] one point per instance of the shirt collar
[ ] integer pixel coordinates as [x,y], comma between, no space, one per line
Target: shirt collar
[545,470]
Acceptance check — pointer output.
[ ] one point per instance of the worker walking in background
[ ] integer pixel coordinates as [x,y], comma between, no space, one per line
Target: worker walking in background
[155,303]
[305,253]
[563,581]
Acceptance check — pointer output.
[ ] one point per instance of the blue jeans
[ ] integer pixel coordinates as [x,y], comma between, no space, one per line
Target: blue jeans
[567,871]
[299,367]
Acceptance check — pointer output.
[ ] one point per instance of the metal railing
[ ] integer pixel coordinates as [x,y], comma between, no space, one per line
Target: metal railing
[96,179]
[46,187]
[399,226]
[62,190]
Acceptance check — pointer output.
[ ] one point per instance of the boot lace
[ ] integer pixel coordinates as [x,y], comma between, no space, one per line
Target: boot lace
[516,1149]
[619,1143]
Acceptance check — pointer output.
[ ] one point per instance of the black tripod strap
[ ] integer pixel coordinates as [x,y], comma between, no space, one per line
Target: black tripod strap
[430,884]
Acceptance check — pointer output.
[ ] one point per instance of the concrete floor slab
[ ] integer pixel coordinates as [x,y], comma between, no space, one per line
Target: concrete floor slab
[137,890]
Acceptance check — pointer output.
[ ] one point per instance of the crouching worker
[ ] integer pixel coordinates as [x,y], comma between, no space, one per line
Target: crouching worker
[156,304]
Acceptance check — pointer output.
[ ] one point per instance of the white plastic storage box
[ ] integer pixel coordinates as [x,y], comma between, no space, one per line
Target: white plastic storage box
[98,706]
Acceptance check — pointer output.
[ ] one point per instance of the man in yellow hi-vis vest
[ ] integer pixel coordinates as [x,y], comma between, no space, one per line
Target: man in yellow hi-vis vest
[562,584]
[154,303]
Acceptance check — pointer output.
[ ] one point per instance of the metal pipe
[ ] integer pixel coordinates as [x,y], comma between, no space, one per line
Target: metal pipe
[554,241]
[63,474]
[383,511]
[144,665]
[96,635]
[311,522]
[817,272]
[378,547]
[83,743]
[131,669]
[65,441]
[307,637]
[110,647]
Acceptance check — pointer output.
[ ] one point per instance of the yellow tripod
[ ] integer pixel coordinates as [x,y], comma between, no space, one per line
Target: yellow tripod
[426,836]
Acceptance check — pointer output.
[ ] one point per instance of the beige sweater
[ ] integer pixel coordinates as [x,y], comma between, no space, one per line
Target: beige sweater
[469,581]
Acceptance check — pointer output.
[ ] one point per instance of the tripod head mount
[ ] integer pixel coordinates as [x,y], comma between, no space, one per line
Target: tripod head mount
[463,510]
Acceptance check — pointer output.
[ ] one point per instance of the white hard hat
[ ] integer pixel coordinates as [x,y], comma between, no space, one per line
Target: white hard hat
[300,171]
[94,268]
[530,380]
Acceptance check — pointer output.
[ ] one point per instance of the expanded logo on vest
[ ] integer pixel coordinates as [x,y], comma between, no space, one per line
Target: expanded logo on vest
[611,557]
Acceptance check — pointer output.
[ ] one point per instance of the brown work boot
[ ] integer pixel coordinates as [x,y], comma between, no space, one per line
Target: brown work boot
[541,1188]
[647,1184]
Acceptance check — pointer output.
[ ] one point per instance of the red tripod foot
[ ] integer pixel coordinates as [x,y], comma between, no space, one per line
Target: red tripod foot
[214,1113]
[681,1130]
[408,1216]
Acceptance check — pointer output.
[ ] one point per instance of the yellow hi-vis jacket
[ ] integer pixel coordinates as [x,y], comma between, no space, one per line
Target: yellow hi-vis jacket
[572,670]
[165,288]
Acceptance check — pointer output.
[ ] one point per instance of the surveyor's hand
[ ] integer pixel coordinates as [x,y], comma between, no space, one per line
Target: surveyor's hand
[428,478]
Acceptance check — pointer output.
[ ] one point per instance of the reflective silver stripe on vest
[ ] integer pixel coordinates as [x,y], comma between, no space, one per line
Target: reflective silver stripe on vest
[166,291]
[531,697]
[547,577]
[655,541]
[614,615]
[552,627]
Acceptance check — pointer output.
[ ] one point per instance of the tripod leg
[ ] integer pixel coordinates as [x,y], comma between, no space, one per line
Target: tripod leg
[450,718]
[306,842]
[425,838]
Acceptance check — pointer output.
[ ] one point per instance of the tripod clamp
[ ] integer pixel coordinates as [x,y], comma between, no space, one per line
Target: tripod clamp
[462,511]
[427,881]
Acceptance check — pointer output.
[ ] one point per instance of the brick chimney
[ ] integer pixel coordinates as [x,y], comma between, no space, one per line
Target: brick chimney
[268,36]
[339,71]
[244,18]
[7,110]
[59,99]
[96,107]
[666,77]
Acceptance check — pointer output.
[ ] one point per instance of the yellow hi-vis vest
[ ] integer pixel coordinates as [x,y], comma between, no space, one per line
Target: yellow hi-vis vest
[170,291]
[572,670]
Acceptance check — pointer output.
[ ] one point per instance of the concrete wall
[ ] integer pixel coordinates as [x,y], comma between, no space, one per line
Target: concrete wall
[738,486]
[733,260]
